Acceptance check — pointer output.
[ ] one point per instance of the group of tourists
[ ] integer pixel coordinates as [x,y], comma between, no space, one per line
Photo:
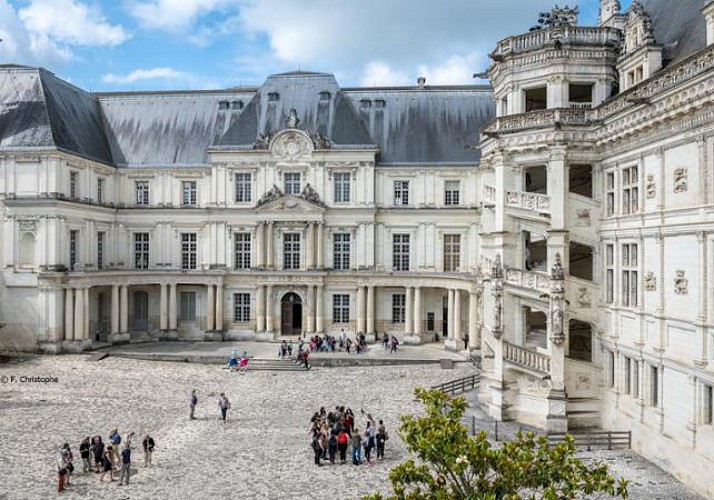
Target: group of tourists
[238,364]
[332,433]
[102,457]
[224,404]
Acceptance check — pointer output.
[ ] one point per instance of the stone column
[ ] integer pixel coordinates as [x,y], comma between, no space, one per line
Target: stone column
[259,245]
[457,318]
[320,245]
[318,307]
[164,308]
[219,308]
[173,307]
[69,314]
[124,310]
[409,309]
[115,310]
[260,309]
[450,320]
[417,312]
[310,254]
[474,342]
[210,308]
[79,314]
[86,314]
[370,311]
[269,247]
[360,309]
[311,298]
[269,309]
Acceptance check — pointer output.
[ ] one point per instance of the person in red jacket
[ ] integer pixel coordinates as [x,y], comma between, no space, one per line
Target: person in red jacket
[343,440]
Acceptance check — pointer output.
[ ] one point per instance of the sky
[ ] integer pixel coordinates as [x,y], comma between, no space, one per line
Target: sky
[110,45]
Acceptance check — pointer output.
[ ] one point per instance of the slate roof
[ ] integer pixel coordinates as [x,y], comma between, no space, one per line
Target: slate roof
[679,26]
[40,110]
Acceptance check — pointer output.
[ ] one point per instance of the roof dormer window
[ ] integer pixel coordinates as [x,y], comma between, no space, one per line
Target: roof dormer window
[324,96]
[223,105]
[237,105]
[273,97]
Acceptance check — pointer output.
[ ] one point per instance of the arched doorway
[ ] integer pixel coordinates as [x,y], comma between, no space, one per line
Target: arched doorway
[291,314]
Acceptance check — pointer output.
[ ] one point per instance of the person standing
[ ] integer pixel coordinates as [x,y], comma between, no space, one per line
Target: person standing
[62,471]
[107,464]
[192,402]
[369,441]
[332,446]
[148,445]
[125,470]
[97,449]
[382,436]
[356,447]
[343,440]
[224,405]
[115,440]
[84,454]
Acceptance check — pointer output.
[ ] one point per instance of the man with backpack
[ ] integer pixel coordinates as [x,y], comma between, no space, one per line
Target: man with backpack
[192,402]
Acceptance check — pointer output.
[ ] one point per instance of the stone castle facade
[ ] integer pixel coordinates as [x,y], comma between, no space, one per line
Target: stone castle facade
[558,224]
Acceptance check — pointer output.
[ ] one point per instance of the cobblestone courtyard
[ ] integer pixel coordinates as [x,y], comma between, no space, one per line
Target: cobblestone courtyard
[261,453]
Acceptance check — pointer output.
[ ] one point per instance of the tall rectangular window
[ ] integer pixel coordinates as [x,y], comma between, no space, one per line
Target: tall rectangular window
[141,250]
[452,193]
[74,185]
[241,307]
[628,375]
[452,252]
[341,251]
[100,191]
[188,250]
[630,191]
[142,192]
[629,275]
[609,274]
[610,193]
[188,189]
[187,310]
[400,252]
[243,187]
[342,187]
[399,301]
[291,251]
[654,386]
[292,183]
[73,249]
[611,369]
[340,308]
[635,379]
[401,192]
[242,250]
[100,249]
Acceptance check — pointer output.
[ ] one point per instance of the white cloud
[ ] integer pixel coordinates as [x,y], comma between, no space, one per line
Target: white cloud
[380,74]
[71,22]
[146,74]
[172,15]
[20,45]
[457,69]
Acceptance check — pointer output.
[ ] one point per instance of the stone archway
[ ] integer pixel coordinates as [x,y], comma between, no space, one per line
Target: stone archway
[291,314]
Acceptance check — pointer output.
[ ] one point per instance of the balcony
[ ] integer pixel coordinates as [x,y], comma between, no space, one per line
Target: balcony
[556,38]
[539,282]
[525,358]
[534,202]
[544,118]
[489,195]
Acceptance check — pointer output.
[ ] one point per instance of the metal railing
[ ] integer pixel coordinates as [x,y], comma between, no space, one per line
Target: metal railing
[602,440]
[459,385]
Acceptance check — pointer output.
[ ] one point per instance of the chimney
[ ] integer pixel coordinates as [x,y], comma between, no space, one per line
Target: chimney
[421,81]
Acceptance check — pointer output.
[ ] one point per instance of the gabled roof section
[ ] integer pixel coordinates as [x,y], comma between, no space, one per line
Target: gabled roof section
[425,125]
[320,105]
[41,111]
[678,26]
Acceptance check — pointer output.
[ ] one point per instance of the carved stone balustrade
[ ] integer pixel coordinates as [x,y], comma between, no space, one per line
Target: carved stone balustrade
[540,282]
[526,358]
[489,195]
[556,37]
[541,119]
[535,202]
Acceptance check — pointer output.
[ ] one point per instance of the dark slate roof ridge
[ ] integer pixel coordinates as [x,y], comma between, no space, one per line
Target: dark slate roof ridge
[426,88]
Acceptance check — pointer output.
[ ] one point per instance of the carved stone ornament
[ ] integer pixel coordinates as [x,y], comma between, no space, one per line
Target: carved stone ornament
[681,284]
[680,180]
[320,141]
[263,141]
[497,269]
[557,320]
[310,195]
[291,145]
[650,186]
[497,311]
[292,119]
[638,30]
[556,271]
[583,215]
[27,226]
[650,282]
[584,298]
[272,195]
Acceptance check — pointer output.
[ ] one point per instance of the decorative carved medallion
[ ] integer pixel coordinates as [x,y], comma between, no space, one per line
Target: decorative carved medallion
[650,186]
[583,215]
[681,284]
[650,282]
[584,298]
[291,145]
[680,180]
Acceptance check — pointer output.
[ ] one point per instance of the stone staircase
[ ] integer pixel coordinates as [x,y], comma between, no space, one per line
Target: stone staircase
[279,365]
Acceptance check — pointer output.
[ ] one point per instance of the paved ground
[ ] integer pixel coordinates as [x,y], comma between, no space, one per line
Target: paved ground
[261,453]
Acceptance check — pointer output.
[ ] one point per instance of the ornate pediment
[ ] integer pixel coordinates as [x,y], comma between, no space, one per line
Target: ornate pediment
[275,199]
[292,143]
